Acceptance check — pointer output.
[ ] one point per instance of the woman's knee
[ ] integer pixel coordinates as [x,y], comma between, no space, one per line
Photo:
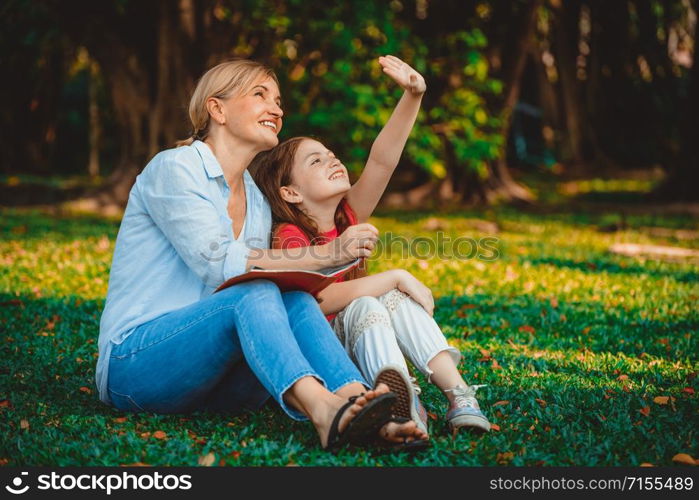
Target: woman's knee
[255,290]
[298,298]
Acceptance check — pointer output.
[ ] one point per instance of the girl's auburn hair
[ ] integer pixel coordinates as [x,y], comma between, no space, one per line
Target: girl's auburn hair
[271,170]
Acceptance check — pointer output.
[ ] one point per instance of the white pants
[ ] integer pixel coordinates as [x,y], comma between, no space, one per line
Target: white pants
[379,331]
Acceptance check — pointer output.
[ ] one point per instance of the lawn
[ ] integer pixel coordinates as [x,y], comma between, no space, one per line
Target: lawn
[590,357]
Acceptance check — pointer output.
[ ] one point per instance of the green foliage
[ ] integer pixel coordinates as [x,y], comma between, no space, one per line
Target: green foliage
[584,340]
[334,89]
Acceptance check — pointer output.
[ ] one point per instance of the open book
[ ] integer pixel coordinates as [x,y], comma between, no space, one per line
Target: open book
[294,279]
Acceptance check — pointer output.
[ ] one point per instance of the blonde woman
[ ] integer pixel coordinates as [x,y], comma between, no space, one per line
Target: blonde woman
[194,219]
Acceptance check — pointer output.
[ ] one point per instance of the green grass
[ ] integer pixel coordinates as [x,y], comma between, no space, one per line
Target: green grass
[572,341]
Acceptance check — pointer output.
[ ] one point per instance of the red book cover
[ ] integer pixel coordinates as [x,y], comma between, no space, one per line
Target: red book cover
[293,279]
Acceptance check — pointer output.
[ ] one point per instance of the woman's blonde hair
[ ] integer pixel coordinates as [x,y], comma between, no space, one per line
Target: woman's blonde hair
[225,80]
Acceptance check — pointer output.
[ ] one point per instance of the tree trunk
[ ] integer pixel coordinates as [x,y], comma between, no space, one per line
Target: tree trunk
[682,182]
[548,98]
[149,106]
[93,166]
[499,184]
[566,53]
[598,159]
[463,185]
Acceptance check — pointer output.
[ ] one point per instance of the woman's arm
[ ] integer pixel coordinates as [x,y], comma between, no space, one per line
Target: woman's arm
[355,241]
[388,146]
[339,295]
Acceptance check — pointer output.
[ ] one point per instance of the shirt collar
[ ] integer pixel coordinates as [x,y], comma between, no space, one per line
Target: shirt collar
[211,164]
[213,167]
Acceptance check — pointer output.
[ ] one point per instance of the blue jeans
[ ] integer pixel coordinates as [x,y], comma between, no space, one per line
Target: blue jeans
[228,352]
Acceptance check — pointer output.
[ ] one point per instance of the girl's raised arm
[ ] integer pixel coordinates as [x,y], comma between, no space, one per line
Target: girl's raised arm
[388,146]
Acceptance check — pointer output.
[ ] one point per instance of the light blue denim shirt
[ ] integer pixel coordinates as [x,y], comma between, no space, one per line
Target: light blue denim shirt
[175,244]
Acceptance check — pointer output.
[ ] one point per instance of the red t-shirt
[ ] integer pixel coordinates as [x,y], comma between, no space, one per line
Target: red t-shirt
[291,236]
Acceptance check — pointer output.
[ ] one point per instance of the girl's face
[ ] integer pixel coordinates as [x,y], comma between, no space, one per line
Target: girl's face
[256,116]
[316,175]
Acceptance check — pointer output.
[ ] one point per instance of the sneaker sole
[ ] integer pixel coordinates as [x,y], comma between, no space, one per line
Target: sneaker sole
[471,422]
[398,385]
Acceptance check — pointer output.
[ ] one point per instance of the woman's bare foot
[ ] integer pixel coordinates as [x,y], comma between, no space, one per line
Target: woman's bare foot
[323,417]
[392,432]
[402,433]
[320,406]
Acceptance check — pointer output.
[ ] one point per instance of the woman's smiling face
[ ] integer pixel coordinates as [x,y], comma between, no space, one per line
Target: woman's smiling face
[256,116]
[317,174]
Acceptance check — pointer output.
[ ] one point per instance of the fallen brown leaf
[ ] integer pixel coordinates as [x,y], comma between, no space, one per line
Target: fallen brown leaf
[136,464]
[86,390]
[501,403]
[645,411]
[683,458]
[495,427]
[207,460]
[120,420]
[688,390]
[13,302]
[503,458]
[663,400]
[24,424]
[527,328]
[541,402]
[646,464]
[159,435]
[485,355]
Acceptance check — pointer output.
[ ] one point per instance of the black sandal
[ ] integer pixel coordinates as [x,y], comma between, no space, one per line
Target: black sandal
[364,426]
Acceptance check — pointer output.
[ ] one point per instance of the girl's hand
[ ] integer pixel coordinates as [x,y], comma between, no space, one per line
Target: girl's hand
[407,283]
[355,241]
[405,76]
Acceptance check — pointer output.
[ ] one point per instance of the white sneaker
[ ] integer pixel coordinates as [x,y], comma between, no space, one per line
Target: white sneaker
[466,412]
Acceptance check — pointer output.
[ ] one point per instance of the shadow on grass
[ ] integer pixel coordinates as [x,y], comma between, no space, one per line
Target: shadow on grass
[33,225]
[597,265]
[27,194]
[493,319]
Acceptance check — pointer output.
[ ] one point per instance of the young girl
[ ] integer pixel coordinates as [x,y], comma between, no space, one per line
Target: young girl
[383,317]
